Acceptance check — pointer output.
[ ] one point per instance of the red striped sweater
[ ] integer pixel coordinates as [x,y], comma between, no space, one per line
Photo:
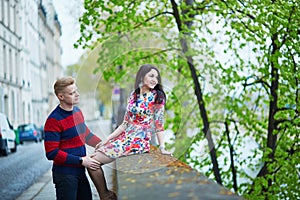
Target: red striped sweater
[65,137]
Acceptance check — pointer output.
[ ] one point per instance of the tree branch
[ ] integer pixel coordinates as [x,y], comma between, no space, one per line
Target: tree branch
[241,2]
[284,109]
[201,6]
[258,80]
[159,52]
[236,129]
[150,18]
[296,80]
[280,121]
[255,106]
[176,15]
[287,32]
[245,14]
[290,152]
[231,153]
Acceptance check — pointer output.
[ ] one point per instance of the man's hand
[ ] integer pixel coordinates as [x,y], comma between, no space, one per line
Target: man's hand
[91,163]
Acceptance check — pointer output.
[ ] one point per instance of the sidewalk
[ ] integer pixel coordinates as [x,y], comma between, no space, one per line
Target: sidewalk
[44,189]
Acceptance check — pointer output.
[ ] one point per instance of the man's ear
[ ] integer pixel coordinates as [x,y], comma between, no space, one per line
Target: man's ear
[60,96]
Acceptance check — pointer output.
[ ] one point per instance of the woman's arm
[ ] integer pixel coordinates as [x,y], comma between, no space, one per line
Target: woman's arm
[114,134]
[121,127]
[161,140]
[118,131]
[159,126]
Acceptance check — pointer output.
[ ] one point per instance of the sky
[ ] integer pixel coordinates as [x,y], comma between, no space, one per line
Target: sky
[68,13]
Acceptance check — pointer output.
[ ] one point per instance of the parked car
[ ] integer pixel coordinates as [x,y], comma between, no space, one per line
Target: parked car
[7,136]
[29,132]
[42,132]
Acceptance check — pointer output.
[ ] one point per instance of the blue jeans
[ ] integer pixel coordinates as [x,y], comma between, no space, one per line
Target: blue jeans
[72,187]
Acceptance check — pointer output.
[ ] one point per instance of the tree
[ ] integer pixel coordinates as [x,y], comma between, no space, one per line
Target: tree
[272,28]
[183,35]
[87,81]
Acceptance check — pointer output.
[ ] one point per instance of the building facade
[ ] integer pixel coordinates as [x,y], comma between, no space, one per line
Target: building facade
[30,56]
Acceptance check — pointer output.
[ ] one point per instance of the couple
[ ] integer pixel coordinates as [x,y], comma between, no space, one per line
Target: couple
[66,135]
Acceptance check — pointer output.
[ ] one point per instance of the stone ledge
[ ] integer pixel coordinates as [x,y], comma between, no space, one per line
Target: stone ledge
[161,177]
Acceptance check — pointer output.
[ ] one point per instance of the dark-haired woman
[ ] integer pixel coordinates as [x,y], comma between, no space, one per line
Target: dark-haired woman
[143,117]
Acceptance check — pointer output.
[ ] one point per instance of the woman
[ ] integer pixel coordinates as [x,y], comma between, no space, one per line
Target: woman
[145,108]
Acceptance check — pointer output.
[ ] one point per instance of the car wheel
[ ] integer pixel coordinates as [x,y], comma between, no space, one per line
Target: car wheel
[15,148]
[21,142]
[5,150]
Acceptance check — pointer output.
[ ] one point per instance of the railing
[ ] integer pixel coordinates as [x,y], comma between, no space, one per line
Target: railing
[154,176]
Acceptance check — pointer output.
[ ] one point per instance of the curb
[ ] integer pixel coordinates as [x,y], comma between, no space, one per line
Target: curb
[44,189]
[38,190]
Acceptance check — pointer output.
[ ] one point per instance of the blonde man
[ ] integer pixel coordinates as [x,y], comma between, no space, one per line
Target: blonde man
[65,137]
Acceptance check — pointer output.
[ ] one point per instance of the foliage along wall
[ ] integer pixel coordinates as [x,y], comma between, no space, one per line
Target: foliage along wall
[234,69]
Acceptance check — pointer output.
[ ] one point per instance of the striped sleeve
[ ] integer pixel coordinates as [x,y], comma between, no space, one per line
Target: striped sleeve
[91,139]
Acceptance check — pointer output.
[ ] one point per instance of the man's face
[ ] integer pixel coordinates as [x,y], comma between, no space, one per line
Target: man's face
[70,95]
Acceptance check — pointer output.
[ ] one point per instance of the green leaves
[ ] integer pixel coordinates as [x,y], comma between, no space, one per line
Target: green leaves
[266,30]
[235,46]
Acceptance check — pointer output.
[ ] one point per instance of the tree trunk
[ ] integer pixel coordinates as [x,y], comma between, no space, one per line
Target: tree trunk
[198,92]
[272,137]
[231,151]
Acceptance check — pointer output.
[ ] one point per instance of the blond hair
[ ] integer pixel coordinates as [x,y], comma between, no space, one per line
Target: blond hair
[62,83]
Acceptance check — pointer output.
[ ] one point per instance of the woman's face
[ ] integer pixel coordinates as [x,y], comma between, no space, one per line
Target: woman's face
[150,79]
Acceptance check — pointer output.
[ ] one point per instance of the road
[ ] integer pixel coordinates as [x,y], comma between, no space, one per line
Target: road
[20,170]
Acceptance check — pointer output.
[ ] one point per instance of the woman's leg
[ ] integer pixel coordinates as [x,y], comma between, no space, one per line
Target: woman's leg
[98,177]
[101,157]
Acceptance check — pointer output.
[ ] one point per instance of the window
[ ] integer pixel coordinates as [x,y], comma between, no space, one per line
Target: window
[13,18]
[13,101]
[1,10]
[4,9]
[6,105]
[26,127]
[17,67]
[4,61]
[10,66]
[1,59]
[8,15]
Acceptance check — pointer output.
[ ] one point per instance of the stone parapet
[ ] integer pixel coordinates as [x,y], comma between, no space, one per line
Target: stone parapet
[161,177]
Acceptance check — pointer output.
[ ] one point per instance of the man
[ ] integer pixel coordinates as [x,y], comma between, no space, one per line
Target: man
[65,137]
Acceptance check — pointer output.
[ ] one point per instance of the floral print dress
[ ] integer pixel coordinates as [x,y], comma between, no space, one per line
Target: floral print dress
[144,118]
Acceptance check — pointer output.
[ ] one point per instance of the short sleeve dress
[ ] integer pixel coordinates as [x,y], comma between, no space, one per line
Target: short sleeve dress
[144,118]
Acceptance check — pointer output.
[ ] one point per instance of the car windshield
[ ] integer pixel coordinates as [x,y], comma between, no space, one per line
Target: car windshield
[25,127]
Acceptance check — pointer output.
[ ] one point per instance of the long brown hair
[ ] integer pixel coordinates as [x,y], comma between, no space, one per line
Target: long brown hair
[144,69]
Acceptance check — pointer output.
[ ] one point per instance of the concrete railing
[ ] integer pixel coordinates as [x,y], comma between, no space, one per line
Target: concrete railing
[154,176]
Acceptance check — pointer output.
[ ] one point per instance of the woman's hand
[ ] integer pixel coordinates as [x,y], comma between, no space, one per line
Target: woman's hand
[115,134]
[103,142]
[164,151]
